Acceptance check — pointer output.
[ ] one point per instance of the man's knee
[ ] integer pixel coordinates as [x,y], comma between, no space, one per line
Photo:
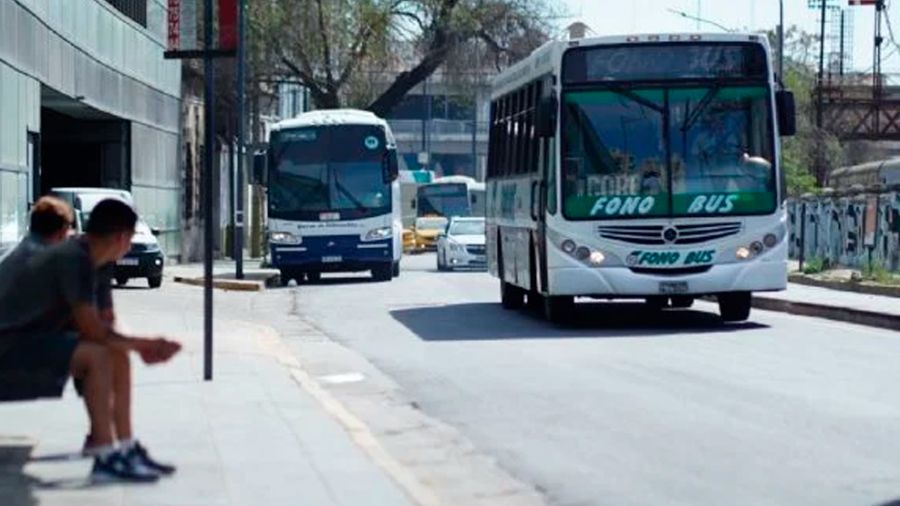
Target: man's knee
[89,358]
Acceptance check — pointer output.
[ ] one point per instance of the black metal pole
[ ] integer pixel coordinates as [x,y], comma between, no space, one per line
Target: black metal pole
[239,212]
[231,191]
[802,235]
[841,64]
[209,131]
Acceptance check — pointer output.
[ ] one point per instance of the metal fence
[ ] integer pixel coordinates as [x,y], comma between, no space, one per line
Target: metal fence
[852,229]
[438,127]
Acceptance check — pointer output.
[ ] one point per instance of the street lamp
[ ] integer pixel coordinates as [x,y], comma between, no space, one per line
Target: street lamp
[699,19]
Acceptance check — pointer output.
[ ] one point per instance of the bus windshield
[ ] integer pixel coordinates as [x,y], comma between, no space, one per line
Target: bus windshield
[443,199]
[335,170]
[702,150]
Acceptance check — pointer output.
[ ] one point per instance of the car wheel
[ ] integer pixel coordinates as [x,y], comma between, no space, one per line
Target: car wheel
[314,276]
[154,281]
[383,272]
[397,269]
[121,280]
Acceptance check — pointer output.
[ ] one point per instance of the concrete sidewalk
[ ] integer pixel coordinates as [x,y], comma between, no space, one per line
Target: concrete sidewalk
[864,309]
[252,436]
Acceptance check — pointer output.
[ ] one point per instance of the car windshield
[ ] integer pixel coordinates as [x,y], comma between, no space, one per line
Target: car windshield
[688,151]
[431,223]
[467,228]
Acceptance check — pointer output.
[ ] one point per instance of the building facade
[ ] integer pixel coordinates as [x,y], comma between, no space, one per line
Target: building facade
[87,99]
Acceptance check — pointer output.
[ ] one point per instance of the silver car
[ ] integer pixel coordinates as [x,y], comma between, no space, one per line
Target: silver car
[462,245]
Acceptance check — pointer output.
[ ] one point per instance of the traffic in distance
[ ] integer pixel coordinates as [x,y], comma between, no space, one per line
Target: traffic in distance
[618,168]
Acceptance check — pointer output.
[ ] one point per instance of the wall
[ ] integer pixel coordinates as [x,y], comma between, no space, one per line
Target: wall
[833,228]
[97,58]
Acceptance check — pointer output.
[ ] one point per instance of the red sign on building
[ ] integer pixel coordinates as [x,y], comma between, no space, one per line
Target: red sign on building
[228,15]
[174,24]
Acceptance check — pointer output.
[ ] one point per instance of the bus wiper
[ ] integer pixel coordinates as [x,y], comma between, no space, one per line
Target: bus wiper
[701,105]
[631,95]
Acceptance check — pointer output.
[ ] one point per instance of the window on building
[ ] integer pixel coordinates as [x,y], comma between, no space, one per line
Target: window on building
[134,9]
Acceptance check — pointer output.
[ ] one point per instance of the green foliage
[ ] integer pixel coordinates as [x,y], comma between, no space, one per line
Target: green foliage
[814,265]
[877,272]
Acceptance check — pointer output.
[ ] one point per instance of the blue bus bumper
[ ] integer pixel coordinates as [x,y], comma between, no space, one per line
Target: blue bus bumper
[332,254]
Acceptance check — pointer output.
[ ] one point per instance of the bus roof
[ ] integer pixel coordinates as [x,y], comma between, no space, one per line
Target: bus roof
[547,58]
[332,117]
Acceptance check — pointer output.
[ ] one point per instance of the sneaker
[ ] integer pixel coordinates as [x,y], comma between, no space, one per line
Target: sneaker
[139,455]
[117,467]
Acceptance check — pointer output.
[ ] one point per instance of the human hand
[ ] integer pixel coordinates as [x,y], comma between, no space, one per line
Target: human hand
[155,351]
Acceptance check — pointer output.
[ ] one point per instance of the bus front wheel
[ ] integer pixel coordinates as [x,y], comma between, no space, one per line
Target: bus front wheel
[734,306]
[558,309]
[511,296]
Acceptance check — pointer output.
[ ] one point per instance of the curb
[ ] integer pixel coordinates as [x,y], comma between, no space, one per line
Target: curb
[847,286]
[837,313]
[15,450]
[224,284]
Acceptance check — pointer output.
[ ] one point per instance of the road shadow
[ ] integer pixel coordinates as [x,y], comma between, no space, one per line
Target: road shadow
[490,322]
[895,502]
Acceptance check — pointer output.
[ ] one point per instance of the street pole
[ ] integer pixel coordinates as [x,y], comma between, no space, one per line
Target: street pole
[781,42]
[239,211]
[699,14]
[209,134]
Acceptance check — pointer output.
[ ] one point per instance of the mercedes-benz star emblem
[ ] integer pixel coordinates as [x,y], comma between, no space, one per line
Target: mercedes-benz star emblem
[670,235]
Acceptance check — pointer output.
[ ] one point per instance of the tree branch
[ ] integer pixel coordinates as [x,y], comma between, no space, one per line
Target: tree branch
[326,49]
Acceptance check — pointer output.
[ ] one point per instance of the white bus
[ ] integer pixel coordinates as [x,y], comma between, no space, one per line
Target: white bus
[450,196]
[333,195]
[638,167]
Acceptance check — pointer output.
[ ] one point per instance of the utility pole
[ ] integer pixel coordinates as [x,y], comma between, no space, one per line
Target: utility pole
[821,80]
[241,122]
[781,42]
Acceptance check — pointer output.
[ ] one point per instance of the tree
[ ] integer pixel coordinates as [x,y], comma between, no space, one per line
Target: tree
[811,145]
[379,50]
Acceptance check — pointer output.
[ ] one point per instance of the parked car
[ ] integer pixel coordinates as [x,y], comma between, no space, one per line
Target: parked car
[145,259]
[427,230]
[462,245]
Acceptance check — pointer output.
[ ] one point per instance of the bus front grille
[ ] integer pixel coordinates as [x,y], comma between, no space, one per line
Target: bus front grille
[659,235]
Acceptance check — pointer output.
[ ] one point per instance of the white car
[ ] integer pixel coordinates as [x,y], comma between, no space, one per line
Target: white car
[462,245]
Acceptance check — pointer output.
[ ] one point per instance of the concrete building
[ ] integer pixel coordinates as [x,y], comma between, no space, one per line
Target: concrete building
[86,99]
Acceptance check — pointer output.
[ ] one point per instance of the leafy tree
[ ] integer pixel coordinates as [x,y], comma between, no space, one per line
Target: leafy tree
[370,53]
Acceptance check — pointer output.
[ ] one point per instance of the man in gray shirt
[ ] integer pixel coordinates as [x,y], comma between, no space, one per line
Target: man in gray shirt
[50,328]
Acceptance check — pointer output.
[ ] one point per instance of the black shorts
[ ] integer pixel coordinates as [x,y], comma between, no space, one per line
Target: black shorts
[36,367]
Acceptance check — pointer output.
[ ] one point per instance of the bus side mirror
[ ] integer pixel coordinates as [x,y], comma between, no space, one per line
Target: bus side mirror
[546,115]
[390,167]
[787,113]
[260,166]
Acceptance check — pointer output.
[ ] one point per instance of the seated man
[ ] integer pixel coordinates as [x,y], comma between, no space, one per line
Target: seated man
[47,289]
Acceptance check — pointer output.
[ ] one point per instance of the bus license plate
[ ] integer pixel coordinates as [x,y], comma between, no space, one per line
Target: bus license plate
[331,259]
[673,287]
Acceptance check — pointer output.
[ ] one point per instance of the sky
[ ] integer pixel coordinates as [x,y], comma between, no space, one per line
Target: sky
[609,17]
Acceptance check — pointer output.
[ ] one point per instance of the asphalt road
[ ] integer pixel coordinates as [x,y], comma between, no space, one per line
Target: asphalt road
[631,407]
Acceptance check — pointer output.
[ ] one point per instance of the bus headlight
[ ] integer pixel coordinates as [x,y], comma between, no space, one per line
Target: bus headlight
[770,240]
[597,257]
[568,246]
[284,238]
[378,234]
[743,253]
